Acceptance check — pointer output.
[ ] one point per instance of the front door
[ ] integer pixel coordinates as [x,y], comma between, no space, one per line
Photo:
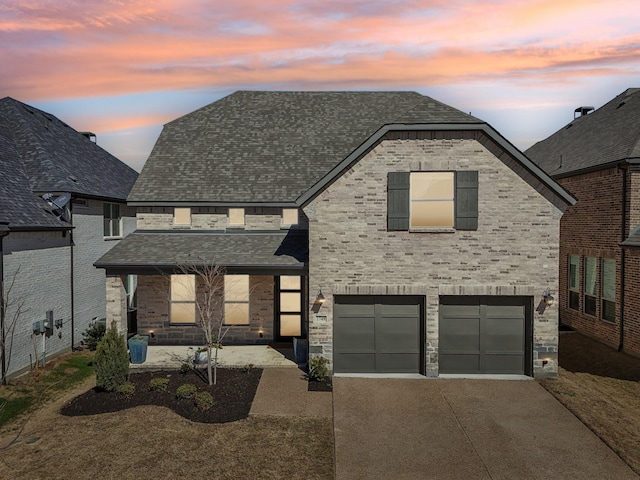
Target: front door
[289,311]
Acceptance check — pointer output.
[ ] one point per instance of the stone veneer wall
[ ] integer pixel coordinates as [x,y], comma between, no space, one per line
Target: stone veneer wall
[153,314]
[513,252]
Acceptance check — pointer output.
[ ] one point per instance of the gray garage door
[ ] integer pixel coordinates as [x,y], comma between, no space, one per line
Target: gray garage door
[377,334]
[485,335]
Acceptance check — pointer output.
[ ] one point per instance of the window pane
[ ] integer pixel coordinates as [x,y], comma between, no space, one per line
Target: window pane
[236,313]
[290,283]
[290,302]
[589,305]
[107,227]
[236,216]
[431,185]
[290,325]
[609,310]
[182,216]
[183,287]
[574,300]
[106,210]
[115,210]
[574,272]
[590,273]
[432,214]
[236,288]
[115,227]
[609,279]
[289,216]
[183,313]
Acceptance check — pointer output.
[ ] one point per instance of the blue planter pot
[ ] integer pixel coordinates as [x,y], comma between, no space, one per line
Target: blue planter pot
[300,350]
[138,348]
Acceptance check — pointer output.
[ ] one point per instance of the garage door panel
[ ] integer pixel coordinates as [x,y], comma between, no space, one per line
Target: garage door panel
[461,363]
[354,362]
[396,362]
[506,364]
[398,335]
[356,334]
[461,334]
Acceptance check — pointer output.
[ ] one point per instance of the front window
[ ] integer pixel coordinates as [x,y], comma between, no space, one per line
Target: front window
[590,275]
[236,299]
[432,200]
[609,289]
[112,220]
[574,282]
[183,299]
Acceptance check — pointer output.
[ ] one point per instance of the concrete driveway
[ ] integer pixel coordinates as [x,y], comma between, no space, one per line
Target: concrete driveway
[462,429]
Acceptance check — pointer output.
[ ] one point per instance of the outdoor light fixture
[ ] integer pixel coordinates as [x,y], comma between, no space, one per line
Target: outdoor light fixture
[547,301]
[320,297]
[152,334]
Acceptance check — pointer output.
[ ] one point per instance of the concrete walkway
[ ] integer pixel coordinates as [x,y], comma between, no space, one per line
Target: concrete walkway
[462,429]
[283,392]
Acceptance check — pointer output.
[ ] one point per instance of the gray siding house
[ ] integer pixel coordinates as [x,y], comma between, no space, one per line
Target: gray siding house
[395,233]
[62,206]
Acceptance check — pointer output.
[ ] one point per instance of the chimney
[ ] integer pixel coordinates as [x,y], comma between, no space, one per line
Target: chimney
[582,111]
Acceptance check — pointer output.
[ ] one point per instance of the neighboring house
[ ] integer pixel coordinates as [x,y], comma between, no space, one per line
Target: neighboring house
[48,251]
[397,234]
[597,158]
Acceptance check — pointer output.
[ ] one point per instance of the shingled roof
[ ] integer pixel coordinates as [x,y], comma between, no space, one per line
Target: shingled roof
[609,135]
[271,147]
[41,154]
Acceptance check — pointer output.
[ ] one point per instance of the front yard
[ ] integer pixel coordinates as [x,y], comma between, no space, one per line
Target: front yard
[602,388]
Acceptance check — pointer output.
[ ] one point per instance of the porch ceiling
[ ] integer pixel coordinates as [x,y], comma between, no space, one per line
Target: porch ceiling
[149,251]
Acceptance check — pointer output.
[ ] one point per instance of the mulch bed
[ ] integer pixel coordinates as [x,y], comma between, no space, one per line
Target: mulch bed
[232,395]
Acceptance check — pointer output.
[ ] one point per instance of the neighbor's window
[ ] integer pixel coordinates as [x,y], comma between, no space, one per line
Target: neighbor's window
[236,217]
[183,299]
[574,282]
[182,216]
[590,275]
[236,299]
[289,216]
[112,220]
[609,289]
[432,200]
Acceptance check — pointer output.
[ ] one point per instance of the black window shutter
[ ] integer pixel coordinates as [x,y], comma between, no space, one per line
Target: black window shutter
[467,200]
[398,201]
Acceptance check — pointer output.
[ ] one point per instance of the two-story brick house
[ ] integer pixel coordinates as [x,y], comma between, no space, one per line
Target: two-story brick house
[396,233]
[597,158]
[48,246]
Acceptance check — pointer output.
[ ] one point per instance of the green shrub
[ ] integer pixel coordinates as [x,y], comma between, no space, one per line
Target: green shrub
[126,390]
[93,334]
[188,390]
[203,400]
[185,368]
[158,384]
[248,367]
[318,368]
[111,360]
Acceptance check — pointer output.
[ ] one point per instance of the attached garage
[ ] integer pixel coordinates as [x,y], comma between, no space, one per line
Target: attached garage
[485,335]
[378,334]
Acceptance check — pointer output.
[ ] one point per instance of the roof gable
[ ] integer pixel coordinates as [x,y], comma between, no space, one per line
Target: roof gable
[271,147]
[608,135]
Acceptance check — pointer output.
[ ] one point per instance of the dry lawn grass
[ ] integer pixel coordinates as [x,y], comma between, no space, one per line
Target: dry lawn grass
[602,388]
[154,442]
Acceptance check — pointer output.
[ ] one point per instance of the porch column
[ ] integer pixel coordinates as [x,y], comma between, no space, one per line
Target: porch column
[117,303]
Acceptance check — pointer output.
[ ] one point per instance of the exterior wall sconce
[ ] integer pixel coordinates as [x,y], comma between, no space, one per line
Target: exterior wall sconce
[547,301]
[320,297]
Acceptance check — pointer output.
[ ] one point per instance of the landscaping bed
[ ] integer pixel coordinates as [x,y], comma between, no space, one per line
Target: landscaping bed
[232,395]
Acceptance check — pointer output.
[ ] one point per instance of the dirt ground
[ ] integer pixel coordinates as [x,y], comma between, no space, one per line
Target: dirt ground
[601,386]
[154,442]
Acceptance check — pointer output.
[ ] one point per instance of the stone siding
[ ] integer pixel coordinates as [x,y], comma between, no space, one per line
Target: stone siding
[514,251]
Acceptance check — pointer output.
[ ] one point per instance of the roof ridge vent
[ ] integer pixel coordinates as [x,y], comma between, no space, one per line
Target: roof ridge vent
[582,111]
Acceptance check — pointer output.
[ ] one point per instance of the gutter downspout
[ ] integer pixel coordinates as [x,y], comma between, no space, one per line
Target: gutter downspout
[4,231]
[622,256]
[73,308]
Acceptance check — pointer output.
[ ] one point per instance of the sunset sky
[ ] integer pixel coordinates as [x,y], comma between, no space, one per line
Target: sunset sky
[122,69]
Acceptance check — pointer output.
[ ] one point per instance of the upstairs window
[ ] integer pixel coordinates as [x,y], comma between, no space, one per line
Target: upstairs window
[432,201]
[289,217]
[590,275]
[182,216]
[236,217]
[112,220]
[574,282]
[236,299]
[609,289]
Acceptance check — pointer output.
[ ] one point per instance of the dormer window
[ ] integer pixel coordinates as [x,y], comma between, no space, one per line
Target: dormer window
[182,216]
[289,217]
[236,217]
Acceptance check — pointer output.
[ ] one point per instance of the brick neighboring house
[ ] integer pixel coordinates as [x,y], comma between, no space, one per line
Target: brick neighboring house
[48,252]
[597,158]
[397,234]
